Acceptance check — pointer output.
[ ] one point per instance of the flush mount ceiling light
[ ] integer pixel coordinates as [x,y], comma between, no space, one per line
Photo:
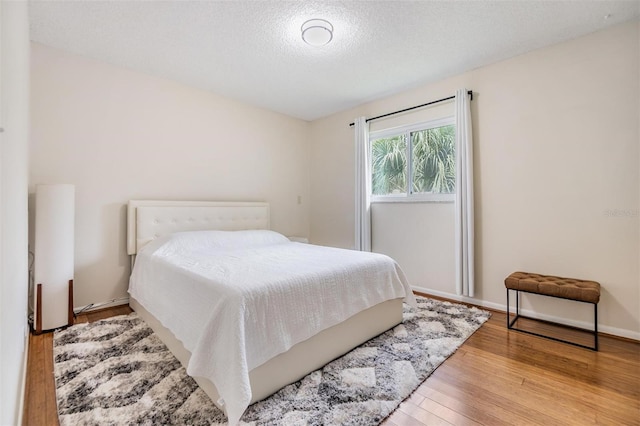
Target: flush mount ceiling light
[317,32]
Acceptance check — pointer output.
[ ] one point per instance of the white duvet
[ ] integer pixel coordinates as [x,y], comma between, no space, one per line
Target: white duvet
[237,299]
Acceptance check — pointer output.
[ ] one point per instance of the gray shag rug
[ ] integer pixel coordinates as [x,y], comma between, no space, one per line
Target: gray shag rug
[117,372]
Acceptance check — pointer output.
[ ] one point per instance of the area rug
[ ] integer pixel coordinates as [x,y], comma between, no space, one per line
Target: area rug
[117,372]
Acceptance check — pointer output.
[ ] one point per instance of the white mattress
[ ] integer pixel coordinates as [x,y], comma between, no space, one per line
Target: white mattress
[237,299]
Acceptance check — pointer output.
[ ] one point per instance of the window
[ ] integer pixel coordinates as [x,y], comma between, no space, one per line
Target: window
[414,163]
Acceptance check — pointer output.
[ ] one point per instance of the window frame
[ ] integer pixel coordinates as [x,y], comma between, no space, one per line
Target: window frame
[409,196]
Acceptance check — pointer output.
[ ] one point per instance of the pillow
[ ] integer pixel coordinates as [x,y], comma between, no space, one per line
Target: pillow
[217,240]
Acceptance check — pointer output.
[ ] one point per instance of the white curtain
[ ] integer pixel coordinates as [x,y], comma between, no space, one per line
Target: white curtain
[363,186]
[464,196]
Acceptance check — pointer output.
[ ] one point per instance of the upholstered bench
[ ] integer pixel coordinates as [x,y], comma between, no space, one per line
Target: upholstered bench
[564,288]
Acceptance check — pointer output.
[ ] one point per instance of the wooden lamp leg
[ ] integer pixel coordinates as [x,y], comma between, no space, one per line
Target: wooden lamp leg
[39,309]
[38,319]
[70,305]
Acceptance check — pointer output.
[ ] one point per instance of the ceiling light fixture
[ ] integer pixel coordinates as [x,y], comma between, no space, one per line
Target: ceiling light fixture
[317,32]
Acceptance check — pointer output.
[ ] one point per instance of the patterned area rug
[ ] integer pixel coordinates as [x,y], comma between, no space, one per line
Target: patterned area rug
[116,371]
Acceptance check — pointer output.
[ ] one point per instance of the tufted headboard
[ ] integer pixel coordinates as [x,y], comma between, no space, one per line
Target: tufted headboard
[150,219]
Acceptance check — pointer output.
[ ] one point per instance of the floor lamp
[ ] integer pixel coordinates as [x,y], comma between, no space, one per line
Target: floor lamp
[53,256]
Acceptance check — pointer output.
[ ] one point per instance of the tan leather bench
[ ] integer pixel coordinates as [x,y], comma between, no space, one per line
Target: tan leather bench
[548,285]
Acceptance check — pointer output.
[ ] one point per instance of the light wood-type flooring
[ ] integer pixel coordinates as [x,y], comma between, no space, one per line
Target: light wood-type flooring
[497,377]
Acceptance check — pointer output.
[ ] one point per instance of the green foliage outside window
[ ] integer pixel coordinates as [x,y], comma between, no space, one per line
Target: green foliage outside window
[433,167]
[389,165]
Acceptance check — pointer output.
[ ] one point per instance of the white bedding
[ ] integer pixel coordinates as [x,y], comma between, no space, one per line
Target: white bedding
[237,299]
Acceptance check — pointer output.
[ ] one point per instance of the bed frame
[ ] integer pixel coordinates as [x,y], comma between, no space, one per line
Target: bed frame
[150,219]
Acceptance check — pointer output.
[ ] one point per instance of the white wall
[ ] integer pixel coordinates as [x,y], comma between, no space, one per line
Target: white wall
[420,237]
[119,135]
[14,120]
[556,141]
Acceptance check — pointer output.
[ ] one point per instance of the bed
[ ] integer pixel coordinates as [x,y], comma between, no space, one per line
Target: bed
[250,310]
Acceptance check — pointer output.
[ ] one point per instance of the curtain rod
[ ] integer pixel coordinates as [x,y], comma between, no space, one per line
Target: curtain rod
[469,92]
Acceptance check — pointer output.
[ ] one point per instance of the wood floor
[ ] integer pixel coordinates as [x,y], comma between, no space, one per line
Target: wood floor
[498,377]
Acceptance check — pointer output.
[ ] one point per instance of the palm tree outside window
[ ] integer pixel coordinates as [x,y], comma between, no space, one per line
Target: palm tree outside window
[414,163]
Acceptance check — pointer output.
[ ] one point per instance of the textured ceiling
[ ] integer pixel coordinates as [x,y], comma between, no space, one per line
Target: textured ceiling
[252,50]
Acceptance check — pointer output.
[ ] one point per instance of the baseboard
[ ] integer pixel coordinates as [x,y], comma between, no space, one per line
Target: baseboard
[23,385]
[620,332]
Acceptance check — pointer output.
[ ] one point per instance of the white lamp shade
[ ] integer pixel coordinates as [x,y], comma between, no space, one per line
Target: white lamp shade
[54,252]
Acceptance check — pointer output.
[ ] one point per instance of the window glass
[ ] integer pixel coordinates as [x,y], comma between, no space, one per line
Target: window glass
[414,162]
[389,165]
[433,160]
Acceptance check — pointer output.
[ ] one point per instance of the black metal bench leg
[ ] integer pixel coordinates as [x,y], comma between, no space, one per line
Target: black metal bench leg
[515,318]
[508,312]
[595,325]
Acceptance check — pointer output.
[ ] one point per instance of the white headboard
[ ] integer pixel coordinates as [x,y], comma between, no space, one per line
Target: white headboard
[150,219]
